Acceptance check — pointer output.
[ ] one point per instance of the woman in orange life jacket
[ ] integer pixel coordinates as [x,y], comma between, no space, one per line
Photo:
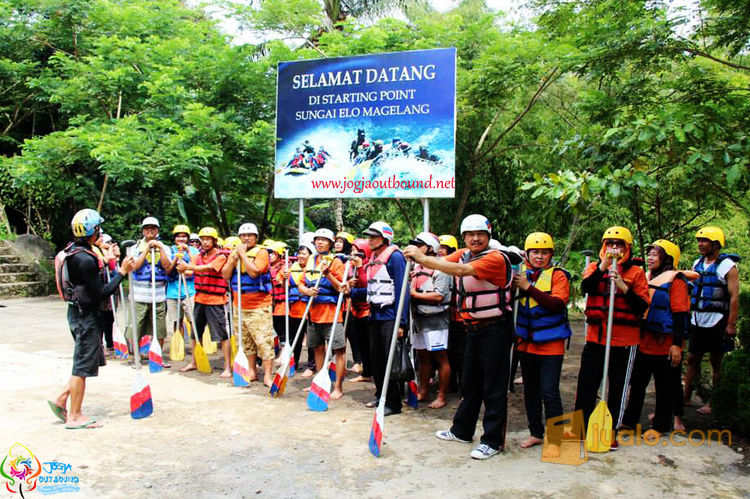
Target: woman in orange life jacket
[357,287]
[660,350]
[542,328]
[631,301]
[276,251]
[297,301]
[484,283]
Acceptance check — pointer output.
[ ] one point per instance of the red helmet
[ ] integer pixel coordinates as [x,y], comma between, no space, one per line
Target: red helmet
[363,246]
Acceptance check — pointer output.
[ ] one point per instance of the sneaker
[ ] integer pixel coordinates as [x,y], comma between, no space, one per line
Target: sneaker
[614,445]
[483,451]
[447,435]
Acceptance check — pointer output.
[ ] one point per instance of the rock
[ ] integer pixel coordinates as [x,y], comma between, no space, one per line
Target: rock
[34,246]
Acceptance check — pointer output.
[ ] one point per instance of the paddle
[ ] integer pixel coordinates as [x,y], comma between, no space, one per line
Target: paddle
[129,322]
[118,340]
[286,317]
[177,345]
[378,421]
[155,361]
[141,404]
[320,389]
[412,388]
[201,359]
[240,366]
[280,378]
[599,431]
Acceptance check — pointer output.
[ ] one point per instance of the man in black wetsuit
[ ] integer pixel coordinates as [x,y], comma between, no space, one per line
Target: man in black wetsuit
[80,279]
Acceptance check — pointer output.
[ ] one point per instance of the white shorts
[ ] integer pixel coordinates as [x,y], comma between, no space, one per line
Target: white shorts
[430,333]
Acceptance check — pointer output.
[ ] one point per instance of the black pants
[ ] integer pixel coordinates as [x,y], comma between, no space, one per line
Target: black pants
[590,377]
[361,329]
[456,349]
[485,380]
[279,325]
[661,368]
[294,323]
[108,319]
[351,335]
[381,334]
[541,385]
[86,329]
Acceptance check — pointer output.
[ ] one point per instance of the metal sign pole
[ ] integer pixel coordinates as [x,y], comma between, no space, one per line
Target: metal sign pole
[426,215]
[301,222]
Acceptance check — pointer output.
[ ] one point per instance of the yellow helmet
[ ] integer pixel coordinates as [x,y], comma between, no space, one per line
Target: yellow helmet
[539,240]
[268,243]
[220,241]
[448,240]
[209,232]
[712,234]
[670,249]
[231,242]
[279,247]
[181,229]
[345,236]
[617,232]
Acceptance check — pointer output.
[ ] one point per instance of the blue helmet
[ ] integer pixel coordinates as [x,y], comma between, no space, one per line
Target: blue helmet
[85,222]
[396,140]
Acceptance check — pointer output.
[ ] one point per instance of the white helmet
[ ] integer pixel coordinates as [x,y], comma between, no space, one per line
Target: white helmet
[476,222]
[307,238]
[310,247]
[106,238]
[515,254]
[495,244]
[247,229]
[380,229]
[150,221]
[326,234]
[427,238]
[194,237]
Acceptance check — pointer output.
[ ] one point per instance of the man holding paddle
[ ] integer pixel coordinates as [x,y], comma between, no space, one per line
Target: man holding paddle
[631,300]
[483,286]
[80,279]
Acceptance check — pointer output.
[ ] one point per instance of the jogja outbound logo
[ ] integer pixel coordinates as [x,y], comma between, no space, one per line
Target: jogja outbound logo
[23,472]
[20,468]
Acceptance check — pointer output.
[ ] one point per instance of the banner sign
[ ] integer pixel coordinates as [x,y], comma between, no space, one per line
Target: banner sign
[380,125]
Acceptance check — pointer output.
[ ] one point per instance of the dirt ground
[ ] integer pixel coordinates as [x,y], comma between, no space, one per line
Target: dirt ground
[209,439]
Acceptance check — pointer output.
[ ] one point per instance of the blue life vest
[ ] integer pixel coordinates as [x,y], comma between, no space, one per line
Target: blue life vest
[260,284]
[535,323]
[710,294]
[327,293]
[144,273]
[295,275]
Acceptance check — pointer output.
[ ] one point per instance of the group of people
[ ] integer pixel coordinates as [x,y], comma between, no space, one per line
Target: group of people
[469,311]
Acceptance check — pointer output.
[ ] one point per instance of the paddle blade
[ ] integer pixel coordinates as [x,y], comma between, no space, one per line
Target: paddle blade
[276,344]
[201,359]
[599,431]
[279,382]
[233,345]
[120,344]
[292,366]
[145,345]
[155,360]
[376,431]
[208,346]
[177,347]
[141,405]
[332,371]
[241,370]
[412,395]
[320,392]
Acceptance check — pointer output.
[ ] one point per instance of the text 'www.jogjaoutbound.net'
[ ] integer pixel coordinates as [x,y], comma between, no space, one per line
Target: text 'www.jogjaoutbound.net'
[360,185]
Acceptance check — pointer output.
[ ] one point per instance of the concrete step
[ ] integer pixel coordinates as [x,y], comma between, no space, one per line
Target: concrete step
[5,245]
[16,277]
[35,288]
[10,259]
[9,268]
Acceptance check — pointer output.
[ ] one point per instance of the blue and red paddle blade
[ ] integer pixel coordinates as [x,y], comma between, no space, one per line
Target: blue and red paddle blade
[278,385]
[292,366]
[332,371]
[155,360]
[320,392]
[144,345]
[141,405]
[276,345]
[121,349]
[412,394]
[376,431]
[240,370]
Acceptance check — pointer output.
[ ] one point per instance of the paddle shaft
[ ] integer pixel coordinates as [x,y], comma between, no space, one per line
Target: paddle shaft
[190,311]
[122,302]
[329,349]
[112,303]
[179,303]
[304,316]
[153,295]
[348,310]
[610,320]
[394,336]
[585,296]
[131,299]
[239,304]
[286,299]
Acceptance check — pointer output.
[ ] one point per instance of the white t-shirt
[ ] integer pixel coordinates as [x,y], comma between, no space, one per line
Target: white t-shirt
[142,289]
[710,319]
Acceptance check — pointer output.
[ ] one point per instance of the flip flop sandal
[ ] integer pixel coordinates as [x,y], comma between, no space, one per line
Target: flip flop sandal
[58,411]
[89,425]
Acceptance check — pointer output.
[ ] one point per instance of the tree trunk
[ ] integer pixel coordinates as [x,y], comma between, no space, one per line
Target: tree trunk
[223,222]
[266,207]
[405,213]
[572,236]
[339,214]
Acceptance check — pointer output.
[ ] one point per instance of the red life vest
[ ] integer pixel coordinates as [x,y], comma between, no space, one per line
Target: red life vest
[597,305]
[278,287]
[360,307]
[479,298]
[210,282]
